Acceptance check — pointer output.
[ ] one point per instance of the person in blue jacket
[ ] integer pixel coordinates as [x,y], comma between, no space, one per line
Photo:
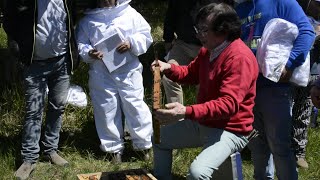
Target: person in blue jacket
[273,108]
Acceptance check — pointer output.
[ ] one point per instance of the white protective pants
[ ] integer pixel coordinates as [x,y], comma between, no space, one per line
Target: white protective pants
[114,93]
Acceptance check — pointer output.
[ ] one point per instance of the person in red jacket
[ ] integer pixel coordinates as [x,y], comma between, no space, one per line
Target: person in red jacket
[226,71]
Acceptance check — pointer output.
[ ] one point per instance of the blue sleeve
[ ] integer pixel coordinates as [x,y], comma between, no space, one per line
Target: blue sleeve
[291,11]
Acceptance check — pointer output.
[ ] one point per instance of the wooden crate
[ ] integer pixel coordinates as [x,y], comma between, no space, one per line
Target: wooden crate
[131,174]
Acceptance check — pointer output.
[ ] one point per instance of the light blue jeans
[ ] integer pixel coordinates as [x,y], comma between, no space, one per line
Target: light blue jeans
[54,74]
[273,120]
[217,145]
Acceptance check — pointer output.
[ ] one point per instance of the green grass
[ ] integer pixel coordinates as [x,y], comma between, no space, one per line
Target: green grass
[3,39]
[79,142]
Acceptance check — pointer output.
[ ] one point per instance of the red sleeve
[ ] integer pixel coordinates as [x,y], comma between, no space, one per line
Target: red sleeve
[187,74]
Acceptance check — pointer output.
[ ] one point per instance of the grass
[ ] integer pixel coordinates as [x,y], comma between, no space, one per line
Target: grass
[79,142]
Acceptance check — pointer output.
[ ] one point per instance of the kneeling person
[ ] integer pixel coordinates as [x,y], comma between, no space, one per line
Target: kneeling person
[226,71]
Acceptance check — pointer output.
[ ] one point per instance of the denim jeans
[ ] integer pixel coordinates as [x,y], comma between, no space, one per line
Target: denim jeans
[54,74]
[217,145]
[273,120]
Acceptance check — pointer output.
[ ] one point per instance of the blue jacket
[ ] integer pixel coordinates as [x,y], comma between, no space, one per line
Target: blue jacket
[255,14]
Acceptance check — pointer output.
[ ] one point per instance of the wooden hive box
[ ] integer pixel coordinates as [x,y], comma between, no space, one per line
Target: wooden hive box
[131,174]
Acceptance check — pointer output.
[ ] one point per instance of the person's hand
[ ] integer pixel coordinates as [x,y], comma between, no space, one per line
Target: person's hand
[285,75]
[123,47]
[95,54]
[163,66]
[175,112]
[315,96]
[168,46]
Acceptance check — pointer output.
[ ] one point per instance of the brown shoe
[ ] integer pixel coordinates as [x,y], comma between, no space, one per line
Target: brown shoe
[301,162]
[54,158]
[24,171]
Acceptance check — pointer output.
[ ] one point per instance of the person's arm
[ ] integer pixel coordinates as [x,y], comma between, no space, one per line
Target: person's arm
[187,74]
[169,25]
[10,19]
[238,78]
[291,11]
[84,45]
[141,39]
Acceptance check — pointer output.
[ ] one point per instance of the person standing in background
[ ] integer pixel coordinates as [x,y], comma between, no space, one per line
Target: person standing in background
[273,108]
[43,30]
[181,44]
[302,107]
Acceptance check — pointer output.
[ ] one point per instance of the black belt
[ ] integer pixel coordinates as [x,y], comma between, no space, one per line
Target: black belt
[56,58]
[254,133]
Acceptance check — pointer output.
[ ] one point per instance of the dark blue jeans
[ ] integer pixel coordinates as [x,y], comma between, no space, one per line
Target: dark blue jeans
[55,74]
[273,120]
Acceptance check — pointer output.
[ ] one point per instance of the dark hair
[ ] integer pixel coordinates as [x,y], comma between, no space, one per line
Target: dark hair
[223,20]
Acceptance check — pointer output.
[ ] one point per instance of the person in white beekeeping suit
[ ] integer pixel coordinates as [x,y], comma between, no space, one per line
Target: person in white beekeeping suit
[110,37]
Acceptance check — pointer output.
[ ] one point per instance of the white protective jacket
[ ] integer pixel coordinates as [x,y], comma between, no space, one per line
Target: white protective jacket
[125,19]
[123,87]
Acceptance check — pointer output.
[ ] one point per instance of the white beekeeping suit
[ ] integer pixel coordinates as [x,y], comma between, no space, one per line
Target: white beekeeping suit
[121,89]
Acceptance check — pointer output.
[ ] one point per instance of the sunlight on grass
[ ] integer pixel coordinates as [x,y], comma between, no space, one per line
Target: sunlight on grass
[3,39]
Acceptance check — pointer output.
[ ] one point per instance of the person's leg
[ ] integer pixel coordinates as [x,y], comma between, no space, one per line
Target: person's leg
[58,85]
[277,120]
[35,84]
[301,113]
[260,151]
[180,54]
[136,111]
[107,111]
[179,135]
[218,146]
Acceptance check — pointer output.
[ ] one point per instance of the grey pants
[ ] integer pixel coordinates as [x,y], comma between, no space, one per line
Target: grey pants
[181,53]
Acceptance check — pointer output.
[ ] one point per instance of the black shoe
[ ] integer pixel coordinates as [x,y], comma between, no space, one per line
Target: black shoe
[144,154]
[116,157]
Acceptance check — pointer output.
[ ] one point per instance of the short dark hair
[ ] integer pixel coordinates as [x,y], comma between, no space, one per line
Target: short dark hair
[223,20]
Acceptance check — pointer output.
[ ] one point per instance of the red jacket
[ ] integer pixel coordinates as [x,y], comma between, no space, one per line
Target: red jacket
[227,87]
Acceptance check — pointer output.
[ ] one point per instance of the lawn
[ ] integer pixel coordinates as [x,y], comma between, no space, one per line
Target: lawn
[79,142]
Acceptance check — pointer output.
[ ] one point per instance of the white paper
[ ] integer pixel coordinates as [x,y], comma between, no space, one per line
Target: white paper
[111,58]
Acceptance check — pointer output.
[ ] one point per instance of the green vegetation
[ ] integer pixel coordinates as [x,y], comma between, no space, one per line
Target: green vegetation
[79,142]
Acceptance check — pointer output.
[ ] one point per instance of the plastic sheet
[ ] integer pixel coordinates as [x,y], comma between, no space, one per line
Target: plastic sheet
[76,96]
[274,50]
